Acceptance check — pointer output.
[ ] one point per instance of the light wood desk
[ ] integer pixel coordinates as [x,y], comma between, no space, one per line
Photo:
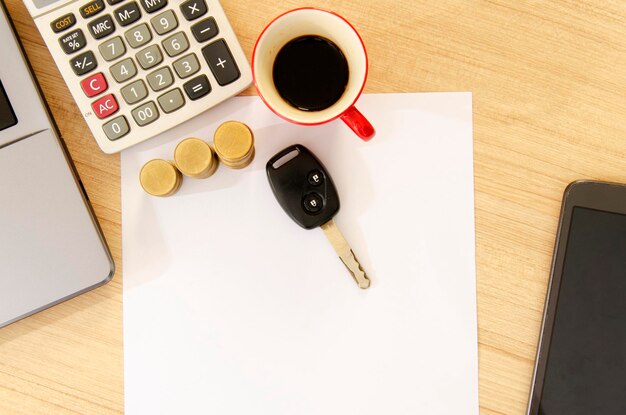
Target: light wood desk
[549,83]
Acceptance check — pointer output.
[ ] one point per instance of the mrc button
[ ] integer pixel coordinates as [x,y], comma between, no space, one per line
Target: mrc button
[92,8]
[102,26]
[62,23]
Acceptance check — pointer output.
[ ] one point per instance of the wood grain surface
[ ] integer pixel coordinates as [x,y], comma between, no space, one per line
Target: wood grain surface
[549,85]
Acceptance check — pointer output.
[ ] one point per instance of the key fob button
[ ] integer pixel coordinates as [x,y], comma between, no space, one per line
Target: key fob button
[313,203]
[315,178]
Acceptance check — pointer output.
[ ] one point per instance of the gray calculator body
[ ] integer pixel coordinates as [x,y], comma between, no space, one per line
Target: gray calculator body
[51,247]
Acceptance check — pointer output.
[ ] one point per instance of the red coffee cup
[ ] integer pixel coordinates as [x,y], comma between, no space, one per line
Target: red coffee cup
[313,22]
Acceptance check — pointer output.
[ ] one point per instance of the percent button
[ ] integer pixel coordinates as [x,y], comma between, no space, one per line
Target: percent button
[73,41]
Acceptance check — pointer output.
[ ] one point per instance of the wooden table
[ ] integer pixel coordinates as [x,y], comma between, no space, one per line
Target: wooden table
[549,84]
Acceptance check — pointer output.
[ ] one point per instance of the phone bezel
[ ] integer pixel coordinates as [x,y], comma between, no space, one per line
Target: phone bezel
[601,196]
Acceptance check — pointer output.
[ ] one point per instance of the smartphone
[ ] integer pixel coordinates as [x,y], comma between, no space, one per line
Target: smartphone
[581,358]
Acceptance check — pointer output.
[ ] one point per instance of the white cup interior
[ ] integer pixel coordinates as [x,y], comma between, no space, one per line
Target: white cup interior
[304,22]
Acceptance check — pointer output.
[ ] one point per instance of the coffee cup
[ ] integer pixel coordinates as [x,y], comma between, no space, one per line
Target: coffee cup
[310,67]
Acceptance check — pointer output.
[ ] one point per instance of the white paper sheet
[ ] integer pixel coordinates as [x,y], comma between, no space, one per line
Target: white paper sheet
[230,308]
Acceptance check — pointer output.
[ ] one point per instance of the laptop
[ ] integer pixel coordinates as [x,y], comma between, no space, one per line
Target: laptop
[51,247]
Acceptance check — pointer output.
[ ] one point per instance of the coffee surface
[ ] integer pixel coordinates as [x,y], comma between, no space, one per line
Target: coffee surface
[310,73]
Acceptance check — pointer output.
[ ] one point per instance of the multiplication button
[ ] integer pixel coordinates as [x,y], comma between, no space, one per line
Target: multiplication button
[221,62]
[116,128]
[193,9]
[205,30]
[84,63]
[197,87]
[73,41]
[145,114]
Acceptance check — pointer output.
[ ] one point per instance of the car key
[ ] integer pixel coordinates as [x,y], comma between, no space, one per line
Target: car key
[308,195]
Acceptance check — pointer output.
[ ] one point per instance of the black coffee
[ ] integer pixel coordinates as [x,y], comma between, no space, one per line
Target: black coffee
[311,73]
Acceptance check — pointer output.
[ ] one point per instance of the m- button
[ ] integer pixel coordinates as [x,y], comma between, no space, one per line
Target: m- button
[94,85]
[105,106]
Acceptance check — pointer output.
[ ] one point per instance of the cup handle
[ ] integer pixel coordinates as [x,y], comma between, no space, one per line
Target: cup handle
[358,123]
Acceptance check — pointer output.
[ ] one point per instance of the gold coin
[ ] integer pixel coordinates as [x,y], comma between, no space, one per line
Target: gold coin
[234,143]
[160,178]
[195,158]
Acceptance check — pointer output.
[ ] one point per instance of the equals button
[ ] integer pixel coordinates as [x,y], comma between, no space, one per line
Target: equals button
[197,87]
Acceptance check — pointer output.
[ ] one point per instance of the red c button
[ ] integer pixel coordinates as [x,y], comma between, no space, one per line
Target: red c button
[94,85]
[105,106]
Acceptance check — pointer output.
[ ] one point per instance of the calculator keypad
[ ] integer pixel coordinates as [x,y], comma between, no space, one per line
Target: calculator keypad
[170,45]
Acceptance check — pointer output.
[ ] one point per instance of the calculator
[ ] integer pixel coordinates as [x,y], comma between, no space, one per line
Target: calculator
[137,68]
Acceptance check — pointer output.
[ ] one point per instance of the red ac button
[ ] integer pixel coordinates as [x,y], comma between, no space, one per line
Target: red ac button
[94,85]
[105,106]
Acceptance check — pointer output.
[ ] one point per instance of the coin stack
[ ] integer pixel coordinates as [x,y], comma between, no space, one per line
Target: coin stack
[234,144]
[160,178]
[195,158]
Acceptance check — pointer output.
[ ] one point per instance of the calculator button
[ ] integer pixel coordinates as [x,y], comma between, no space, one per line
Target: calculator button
[127,14]
[221,62]
[102,26]
[165,22]
[123,70]
[192,9]
[116,128]
[112,2]
[84,63]
[187,66]
[197,87]
[112,49]
[176,44]
[94,85]
[205,30]
[138,35]
[152,6]
[105,106]
[160,79]
[134,92]
[92,8]
[145,114]
[171,101]
[73,41]
[149,57]
[63,23]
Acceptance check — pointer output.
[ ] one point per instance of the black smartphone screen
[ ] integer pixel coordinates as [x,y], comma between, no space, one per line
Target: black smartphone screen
[585,369]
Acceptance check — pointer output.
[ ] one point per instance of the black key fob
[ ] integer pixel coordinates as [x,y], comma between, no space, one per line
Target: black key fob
[302,186]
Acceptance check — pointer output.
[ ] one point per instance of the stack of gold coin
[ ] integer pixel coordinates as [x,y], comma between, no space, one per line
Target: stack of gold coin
[160,178]
[195,158]
[234,144]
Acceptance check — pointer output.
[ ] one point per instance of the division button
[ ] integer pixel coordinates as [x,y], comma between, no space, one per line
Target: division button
[221,62]
[197,87]
[102,27]
[112,48]
[94,85]
[116,128]
[171,101]
[205,30]
[127,14]
[145,114]
[92,8]
[152,6]
[105,106]
[83,63]
[73,41]
[63,23]
[193,9]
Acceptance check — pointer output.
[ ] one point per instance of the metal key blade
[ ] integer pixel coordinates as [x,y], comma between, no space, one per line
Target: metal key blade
[339,243]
